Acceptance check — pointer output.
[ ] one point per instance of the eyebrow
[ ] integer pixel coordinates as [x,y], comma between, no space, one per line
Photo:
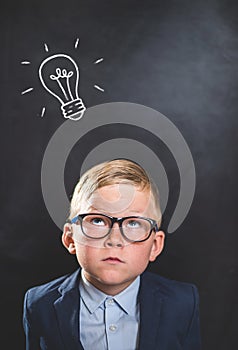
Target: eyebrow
[106,212]
[94,208]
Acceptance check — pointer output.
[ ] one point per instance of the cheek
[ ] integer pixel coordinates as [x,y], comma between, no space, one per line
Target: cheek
[139,255]
[85,255]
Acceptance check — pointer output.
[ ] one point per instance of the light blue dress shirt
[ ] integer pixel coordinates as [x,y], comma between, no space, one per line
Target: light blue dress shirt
[109,322]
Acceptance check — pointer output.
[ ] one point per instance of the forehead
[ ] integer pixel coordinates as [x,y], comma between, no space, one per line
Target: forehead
[122,200]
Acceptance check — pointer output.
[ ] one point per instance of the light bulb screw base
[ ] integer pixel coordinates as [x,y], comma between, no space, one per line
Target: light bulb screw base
[73,109]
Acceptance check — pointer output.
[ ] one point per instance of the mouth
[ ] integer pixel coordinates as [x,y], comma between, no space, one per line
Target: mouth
[113,260]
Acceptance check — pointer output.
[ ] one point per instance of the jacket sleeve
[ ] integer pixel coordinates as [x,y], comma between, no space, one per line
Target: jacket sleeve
[32,340]
[193,338]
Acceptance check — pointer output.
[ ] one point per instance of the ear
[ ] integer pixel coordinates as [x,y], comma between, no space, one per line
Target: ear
[67,239]
[158,245]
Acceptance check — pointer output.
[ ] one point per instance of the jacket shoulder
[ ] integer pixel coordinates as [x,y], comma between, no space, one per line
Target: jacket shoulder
[168,288]
[49,290]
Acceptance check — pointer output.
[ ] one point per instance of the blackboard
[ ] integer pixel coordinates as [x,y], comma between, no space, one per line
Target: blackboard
[177,57]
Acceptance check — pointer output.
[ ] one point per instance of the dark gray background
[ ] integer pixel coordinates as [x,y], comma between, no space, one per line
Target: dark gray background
[178,57]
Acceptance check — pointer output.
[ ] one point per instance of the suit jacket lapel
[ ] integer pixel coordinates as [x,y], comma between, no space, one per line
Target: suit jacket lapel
[67,311]
[151,301]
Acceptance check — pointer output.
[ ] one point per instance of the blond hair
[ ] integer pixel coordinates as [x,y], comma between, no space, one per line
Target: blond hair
[112,172]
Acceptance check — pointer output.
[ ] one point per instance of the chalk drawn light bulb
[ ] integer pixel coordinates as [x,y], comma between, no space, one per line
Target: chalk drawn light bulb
[59,75]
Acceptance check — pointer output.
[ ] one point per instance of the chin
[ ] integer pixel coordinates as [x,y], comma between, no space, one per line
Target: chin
[111,278]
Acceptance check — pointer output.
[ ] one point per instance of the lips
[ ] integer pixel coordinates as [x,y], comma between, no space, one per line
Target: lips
[112,259]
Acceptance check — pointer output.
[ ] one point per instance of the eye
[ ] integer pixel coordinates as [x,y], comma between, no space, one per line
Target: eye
[133,224]
[98,221]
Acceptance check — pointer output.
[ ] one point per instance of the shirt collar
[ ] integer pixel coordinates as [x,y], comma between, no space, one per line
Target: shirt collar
[93,298]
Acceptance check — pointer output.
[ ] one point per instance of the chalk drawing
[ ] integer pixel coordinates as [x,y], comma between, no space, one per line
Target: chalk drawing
[63,72]
[76,43]
[99,60]
[42,112]
[26,91]
[98,88]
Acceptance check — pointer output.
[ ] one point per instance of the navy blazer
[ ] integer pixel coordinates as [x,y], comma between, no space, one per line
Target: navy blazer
[169,315]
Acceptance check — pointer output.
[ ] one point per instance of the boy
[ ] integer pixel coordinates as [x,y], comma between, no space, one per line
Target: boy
[110,303]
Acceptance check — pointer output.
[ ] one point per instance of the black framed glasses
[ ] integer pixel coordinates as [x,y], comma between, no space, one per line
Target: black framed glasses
[132,228]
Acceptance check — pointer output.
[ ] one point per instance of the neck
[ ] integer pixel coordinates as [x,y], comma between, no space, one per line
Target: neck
[109,289]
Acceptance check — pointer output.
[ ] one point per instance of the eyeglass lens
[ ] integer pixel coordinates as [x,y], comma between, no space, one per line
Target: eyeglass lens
[98,226]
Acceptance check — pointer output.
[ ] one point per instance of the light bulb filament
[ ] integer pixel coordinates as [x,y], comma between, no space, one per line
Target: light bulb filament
[63,75]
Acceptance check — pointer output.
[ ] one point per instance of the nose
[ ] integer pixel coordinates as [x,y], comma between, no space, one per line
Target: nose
[114,239]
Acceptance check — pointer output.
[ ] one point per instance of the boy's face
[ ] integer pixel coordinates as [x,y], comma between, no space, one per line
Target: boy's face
[115,264]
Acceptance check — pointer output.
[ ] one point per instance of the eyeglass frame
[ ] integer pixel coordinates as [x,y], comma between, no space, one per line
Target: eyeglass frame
[80,217]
